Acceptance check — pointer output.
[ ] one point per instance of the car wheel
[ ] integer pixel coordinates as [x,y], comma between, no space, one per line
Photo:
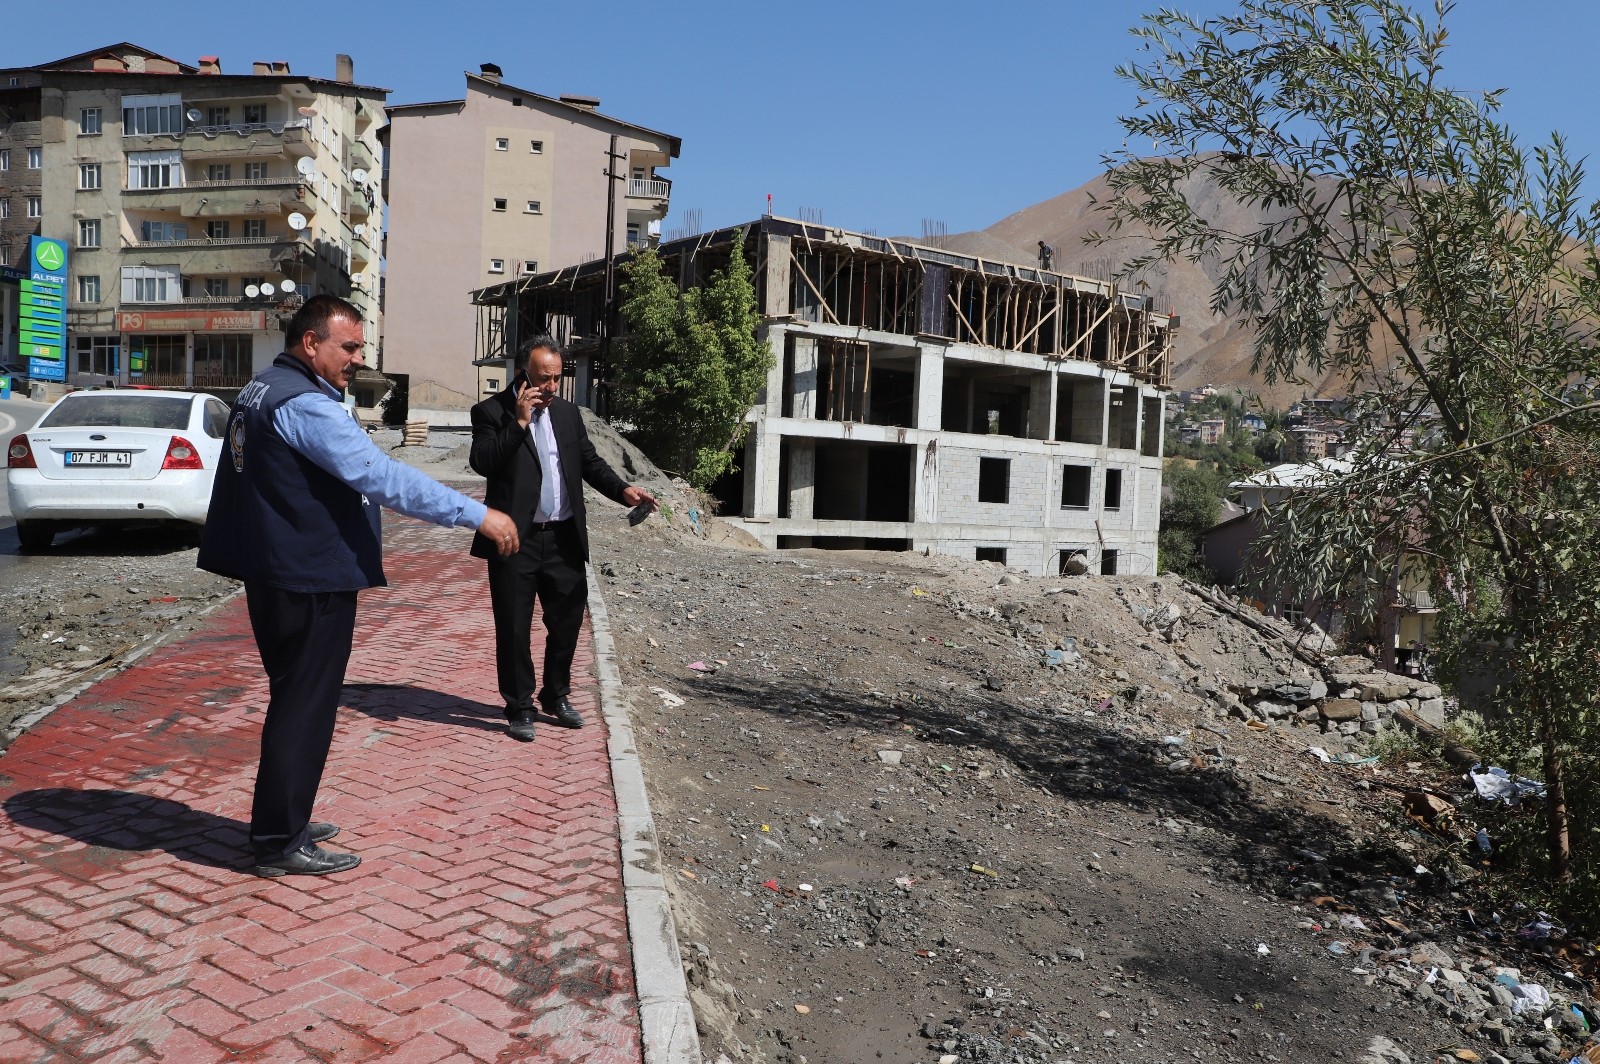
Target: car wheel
[35,535]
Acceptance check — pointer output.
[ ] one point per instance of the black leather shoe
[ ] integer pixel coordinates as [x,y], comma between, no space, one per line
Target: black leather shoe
[519,722]
[308,860]
[565,715]
[322,832]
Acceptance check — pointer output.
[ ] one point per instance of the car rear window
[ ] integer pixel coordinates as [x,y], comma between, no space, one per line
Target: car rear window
[119,411]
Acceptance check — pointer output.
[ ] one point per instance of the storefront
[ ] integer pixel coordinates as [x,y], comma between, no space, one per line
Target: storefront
[205,349]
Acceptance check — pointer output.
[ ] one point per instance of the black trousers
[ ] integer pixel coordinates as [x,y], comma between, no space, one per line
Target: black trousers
[304,640]
[550,567]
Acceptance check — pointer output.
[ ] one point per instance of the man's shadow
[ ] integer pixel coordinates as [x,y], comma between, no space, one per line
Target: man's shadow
[134,823]
[396,701]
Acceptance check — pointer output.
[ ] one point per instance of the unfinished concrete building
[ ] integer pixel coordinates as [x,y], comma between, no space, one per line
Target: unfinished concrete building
[918,399]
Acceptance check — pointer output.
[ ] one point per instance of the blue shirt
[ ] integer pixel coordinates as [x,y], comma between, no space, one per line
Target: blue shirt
[320,428]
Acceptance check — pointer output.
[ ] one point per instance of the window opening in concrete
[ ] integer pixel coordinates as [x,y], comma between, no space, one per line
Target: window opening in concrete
[1152,429]
[1108,563]
[991,554]
[1072,561]
[1075,486]
[1113,499]
[994,480]
[853,481]
[1078,410]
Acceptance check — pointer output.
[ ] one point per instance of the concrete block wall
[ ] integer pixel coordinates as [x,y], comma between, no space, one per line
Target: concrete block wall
[958,485]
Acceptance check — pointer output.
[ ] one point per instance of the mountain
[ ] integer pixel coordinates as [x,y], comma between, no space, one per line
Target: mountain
[1209,349]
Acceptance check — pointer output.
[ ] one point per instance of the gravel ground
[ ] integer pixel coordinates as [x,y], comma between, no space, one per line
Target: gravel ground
[922,810]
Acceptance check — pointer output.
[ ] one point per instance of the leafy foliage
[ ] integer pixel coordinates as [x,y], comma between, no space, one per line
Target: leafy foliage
[1194,496]
[1409,242]
[691,365]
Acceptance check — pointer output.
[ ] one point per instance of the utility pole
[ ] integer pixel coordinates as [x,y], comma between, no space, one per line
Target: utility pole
[609,312]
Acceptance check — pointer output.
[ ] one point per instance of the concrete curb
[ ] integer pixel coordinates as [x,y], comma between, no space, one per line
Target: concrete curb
[665,1014]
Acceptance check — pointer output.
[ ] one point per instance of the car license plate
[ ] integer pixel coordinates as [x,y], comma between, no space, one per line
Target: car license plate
[99,458]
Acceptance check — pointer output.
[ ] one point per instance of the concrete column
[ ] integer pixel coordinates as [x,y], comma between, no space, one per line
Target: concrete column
[929,388]
[805,377]
[802,478]
[1105,411]
[925,483]
[766,472]
[1055,398]
[1041,405]
[771,396]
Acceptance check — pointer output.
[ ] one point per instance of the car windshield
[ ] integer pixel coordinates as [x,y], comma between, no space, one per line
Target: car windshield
[119,411]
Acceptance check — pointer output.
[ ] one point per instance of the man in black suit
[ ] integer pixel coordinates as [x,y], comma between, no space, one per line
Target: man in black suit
[518,436]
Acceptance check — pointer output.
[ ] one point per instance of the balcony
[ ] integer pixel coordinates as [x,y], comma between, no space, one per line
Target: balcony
[361,156]
[1414,599]
[649,188]
[206,242]
[238,196]
[361,201]
[236,139]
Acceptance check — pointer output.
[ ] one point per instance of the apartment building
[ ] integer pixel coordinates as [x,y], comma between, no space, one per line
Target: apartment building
[918,399]
[502,183]
[200,208]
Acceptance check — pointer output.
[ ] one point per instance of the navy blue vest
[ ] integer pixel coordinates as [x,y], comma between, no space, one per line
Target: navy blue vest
[278,518]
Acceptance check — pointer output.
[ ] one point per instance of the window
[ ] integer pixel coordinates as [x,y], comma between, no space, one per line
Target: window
[533,207]
[1075,486]
[88,288]
[155,169]
[219,172]
[1073,561]
[5,159]
[497,265]
[35,207]
[502,144]
[255,114]
[216,410]
[255,171]
[218,230]
[255,228]
[89,233]
[216,288]
[163,232]
[98,355]
[88,175]
[5,255]
[1293,612]
[246,283]
[159,356]
[994,480]
[1108,563]
[529,267]
[88,121]
[218,116]
[221,356]
[499,204]
[634,236]
[991,554]
[1113,489]
[148,115]
[5,207]
[536,147]
[151,284]
[35,158]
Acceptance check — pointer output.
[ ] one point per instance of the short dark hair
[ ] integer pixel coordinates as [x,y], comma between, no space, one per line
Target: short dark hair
[542,342]
[314,315]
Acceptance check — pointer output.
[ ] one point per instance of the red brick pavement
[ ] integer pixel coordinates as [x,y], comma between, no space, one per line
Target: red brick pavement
[485,923]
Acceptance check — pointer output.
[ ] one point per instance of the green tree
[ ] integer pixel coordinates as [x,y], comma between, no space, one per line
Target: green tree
[1192,499]
[1406,241]
[691,365]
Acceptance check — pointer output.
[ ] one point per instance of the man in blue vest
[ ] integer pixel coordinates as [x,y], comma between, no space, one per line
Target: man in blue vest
[294,514]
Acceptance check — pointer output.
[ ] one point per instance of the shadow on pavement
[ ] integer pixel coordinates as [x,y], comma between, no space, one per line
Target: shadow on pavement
[135,823]
[396,701]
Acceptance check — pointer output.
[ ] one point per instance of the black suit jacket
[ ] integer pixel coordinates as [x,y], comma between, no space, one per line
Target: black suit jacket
[503,451]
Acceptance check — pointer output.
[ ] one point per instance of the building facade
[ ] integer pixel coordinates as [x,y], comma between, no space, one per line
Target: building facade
[200,208]
[500,184]
[917,399]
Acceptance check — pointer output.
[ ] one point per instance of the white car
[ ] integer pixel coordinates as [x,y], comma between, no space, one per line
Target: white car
[115,456]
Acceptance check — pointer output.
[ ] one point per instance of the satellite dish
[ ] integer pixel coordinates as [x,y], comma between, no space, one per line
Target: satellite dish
[361,227]
[286,285]
[251,291]
[309,112]
[359,176]
[306,166]
[193,115]
[268,290]
[297,221]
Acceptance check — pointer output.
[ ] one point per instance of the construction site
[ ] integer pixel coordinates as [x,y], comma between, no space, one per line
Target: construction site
[917,399]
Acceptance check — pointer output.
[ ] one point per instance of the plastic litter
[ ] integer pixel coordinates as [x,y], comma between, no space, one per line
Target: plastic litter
[1339,948]
[668,699]
[1263,949]
[1541,929]
[1497,785]
[982,871]
[700,666]
[771,884]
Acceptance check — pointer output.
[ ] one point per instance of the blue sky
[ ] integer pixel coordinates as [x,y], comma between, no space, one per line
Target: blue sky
[877,113]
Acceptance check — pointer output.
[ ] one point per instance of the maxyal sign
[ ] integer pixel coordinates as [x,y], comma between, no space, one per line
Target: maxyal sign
[42,310]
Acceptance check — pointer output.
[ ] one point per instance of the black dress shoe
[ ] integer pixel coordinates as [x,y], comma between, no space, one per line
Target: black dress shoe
[519,722]
[308,860]
[565,715]
[322,832]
